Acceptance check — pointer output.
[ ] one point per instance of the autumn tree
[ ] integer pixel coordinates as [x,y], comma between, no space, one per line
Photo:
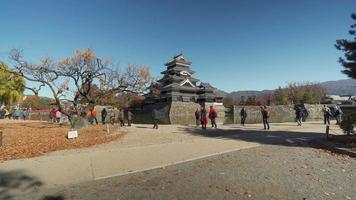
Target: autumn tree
[11,86]
[73,79]
[228,101]
[349,49]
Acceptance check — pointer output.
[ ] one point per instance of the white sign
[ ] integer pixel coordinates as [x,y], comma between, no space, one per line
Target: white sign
[72,134]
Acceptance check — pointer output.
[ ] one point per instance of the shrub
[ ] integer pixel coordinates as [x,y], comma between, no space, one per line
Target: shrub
[348,123]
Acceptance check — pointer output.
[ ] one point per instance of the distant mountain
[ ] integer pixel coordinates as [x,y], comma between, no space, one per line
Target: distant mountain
[340,87]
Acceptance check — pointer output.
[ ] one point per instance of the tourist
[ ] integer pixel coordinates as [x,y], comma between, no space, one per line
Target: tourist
[7,114]
[58,116]
[203,119]
[265,116]
[112,117]
[327,114]
[104,113]
[25,114]
[197,117]
[52,115]
[16,113]
[93,116]
[129,117]
[299,115]
[212,116]
[122,117]
[155,117]
[243,116]
[338,114]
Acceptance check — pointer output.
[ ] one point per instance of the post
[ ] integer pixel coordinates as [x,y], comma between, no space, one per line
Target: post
[107,129]
[0,138]
[327,132]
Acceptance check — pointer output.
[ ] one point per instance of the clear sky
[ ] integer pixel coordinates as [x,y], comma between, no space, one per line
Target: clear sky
[233,44]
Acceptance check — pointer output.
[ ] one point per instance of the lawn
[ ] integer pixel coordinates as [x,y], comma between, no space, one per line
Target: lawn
[30,139]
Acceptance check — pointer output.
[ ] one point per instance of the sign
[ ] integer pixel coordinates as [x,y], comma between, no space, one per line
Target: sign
[72,134]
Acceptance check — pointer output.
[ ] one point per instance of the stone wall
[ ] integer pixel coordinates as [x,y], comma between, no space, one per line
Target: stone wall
[143,114]
[183,112]
[174,112]
[220,109]
[281,113]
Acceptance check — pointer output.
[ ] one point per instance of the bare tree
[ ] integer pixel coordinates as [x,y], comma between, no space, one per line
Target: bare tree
[74,78]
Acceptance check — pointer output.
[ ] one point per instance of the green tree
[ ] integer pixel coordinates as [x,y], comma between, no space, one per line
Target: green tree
[11,86]
[349,49]
[280,97]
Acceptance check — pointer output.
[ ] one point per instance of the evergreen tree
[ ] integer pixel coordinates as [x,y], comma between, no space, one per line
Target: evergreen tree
[349,47]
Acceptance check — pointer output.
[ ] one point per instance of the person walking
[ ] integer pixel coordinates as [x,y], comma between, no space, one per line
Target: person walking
[197,117]
[104,113]
[212,116]
[243,116]
[327,114]
[155,118]
[338,114]
[58,116]
[7,114]
[129,117]
[25,114]
[203,119]
[93,114]
[112,117]
[265,116]
[122,118]
[299,116]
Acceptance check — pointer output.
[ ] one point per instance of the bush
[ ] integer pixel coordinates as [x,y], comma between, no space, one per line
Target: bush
[348,123]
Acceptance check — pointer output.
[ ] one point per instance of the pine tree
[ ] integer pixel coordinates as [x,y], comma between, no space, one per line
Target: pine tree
[349,47]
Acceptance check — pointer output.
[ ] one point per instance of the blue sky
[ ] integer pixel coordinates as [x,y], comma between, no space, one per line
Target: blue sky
[233,44]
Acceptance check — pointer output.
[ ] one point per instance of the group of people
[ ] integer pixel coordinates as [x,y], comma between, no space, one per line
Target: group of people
[264,113]
[55,115]
[201,117]
[16,113]
[300,115]
[337,114]
[104,113]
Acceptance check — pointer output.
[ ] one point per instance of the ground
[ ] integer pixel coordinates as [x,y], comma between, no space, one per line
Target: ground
[184,162]
[32,138]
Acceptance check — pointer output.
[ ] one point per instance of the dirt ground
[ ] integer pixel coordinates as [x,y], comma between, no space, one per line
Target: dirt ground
[29,139]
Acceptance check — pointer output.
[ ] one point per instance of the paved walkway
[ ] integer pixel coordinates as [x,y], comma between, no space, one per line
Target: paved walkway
[145,148]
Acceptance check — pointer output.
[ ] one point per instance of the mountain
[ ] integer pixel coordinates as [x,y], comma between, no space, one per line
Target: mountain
[340,87]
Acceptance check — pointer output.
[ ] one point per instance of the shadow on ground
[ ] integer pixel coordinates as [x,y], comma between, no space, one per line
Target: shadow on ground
[270,137]
[15,183]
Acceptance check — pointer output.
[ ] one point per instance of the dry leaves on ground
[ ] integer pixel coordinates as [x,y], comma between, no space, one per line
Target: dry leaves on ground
[30,139]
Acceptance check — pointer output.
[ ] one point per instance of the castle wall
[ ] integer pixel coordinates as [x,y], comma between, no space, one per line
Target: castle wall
[174,112]
[278,114]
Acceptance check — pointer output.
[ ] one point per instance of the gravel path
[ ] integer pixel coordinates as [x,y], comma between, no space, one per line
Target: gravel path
[264,172]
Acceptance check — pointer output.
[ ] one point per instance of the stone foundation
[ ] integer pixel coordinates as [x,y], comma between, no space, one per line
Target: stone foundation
[174,112]
[278,114]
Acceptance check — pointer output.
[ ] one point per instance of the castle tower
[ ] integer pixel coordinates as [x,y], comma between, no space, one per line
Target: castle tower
[177,83]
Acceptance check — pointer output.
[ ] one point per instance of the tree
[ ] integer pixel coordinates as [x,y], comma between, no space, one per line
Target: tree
[280,97]
[229,101]
[349,49]
[11,86]
[83,77]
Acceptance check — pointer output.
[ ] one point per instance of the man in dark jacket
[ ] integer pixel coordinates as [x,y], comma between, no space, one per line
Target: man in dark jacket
[299,116]
[104,113]
[265,116]
[197,117]
[243,116]
[122,117]
[155,118]
[129,117]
